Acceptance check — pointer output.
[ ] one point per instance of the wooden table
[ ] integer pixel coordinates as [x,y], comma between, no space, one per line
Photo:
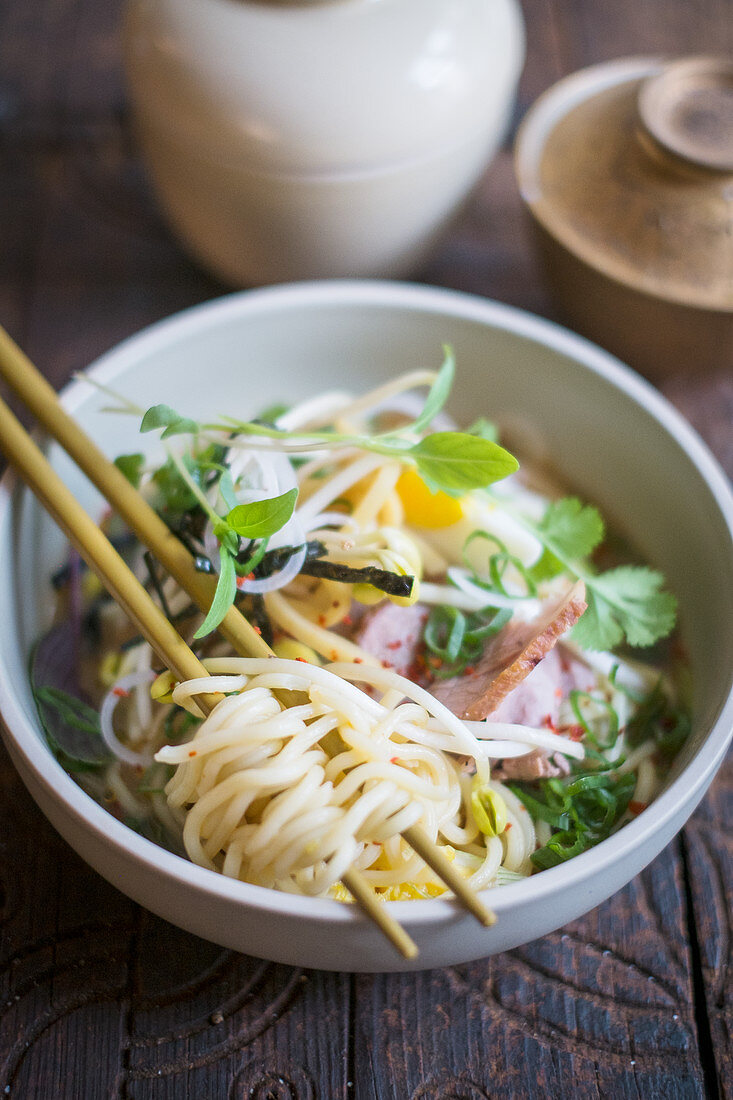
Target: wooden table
[100,999]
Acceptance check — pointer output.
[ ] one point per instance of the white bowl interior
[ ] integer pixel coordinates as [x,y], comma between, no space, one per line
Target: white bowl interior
[612,438]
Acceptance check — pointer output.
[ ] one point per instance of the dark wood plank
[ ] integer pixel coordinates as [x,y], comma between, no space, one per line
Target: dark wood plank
[100,999]
[606,1003]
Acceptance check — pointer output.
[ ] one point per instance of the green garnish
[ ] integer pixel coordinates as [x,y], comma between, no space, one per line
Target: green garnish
[262,518]
[658,718]
[498,563]
[131,466]
[72,729]
[457,639]
[583,809]
[454,462]
[626,603]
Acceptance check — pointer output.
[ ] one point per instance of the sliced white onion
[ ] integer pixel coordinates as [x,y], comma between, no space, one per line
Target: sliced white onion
[278,580]
[106,712]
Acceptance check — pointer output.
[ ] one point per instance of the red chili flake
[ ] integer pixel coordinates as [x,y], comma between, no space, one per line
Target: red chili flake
[575,733]
[334,655]
[121,693]
[301,659]
[548,723]
[637,807]
[250,577]
[347,620]
[321,620]
[507,827]
[387,664]
[358,660]
[558,693]
[469,670]
[392,645]
[394,759]
[192,752]
[256,628]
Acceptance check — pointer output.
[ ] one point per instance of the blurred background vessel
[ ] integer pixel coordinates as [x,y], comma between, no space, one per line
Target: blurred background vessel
[319,138]
[626,169]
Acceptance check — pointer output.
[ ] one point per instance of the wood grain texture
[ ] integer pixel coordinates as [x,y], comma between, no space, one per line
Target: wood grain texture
[100,999]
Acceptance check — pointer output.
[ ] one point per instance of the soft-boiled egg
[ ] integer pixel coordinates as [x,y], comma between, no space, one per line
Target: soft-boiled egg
[446,523]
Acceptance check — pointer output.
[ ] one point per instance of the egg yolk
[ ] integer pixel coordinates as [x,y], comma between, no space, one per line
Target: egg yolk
[424,508]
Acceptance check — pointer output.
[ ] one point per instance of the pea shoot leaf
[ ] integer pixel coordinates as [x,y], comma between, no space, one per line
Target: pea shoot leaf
[456,462]
[163,416]
[226,590]
[131,466]
[439,392]
[262,518]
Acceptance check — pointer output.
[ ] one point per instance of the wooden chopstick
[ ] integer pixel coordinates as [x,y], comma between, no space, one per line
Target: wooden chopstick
[40,398]
[123,585]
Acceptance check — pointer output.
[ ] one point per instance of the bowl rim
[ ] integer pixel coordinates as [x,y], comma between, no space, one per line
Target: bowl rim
[687,788]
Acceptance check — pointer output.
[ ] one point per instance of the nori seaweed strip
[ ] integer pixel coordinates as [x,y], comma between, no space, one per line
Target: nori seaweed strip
[275,560]
[394,584]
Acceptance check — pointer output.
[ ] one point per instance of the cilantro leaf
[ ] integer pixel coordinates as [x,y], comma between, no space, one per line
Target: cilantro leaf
[572,529]
[627,601]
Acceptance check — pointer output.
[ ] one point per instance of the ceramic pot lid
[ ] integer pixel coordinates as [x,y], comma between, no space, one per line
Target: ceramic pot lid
[630,166]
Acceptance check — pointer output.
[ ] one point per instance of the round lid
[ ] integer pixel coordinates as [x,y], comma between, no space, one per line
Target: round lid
[630,166]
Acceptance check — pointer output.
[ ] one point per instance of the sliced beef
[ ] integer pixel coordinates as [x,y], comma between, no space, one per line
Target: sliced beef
[509,658]
[393,634]
[536,700]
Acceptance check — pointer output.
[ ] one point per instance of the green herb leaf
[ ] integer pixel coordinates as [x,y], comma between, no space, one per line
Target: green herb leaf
[439,392]
[226,590]
[131,466]
[626,601]
[262,518]
[456,462]
[72,730]
[226,488]
[163,416]
[484,429]
[572,530]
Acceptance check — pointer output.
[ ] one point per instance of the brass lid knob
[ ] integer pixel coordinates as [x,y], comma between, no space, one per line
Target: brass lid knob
[688,109]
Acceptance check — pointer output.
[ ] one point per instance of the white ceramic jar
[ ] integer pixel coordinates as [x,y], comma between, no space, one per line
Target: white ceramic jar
[319,138]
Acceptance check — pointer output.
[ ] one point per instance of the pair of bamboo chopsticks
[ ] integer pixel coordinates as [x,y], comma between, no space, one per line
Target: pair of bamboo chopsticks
[24,455]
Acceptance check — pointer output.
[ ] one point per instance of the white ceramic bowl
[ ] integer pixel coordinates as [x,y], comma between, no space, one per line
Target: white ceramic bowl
[615,440]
